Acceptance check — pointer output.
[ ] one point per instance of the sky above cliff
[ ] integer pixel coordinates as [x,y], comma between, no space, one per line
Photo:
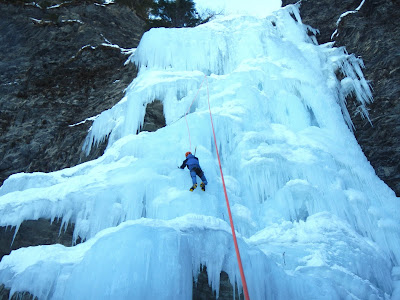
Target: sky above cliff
[259,8]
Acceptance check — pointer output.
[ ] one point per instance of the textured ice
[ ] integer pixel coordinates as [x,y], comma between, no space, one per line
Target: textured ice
[313,219]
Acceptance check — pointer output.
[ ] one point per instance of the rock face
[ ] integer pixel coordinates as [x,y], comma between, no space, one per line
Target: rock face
[372,33]
[34,233]
[202,291]
[59,66]
[5,294]
[154,117]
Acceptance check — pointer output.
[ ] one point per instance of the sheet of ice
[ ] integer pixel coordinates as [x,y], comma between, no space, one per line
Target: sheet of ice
[138,248]
[326,246]
[313,219]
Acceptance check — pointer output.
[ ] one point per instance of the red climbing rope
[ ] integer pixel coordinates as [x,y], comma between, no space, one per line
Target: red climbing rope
[245,291]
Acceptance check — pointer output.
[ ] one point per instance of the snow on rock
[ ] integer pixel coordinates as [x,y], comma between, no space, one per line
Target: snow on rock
[313,219]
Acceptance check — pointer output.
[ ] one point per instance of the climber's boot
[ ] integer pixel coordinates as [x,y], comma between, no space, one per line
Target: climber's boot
[193,187]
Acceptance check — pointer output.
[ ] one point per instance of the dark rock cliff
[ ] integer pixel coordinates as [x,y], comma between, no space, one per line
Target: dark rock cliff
[59,66]
[371,32]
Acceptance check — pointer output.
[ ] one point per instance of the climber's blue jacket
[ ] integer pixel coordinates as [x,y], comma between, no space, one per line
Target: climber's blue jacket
[191,162]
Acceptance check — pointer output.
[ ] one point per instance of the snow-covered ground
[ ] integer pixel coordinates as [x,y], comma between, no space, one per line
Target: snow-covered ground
[313,220]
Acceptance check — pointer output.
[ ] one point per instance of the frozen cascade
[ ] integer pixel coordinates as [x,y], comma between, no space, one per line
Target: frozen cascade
[313,219]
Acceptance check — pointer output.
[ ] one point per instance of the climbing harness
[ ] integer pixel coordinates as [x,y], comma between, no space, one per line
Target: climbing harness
[242,276]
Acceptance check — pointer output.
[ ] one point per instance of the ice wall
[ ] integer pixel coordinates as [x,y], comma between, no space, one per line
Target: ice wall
[314,221]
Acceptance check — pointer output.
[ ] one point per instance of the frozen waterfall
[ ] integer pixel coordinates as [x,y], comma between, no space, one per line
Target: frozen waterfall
[313,220]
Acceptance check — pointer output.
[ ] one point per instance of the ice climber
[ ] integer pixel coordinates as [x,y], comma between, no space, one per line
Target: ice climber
[192,162]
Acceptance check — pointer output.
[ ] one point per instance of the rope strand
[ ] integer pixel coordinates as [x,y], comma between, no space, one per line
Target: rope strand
[242,276]
[245,291]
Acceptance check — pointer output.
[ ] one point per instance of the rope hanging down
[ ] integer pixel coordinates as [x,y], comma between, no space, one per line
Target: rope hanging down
[243,278]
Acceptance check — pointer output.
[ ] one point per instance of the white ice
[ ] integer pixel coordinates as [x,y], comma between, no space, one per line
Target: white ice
[312,218]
